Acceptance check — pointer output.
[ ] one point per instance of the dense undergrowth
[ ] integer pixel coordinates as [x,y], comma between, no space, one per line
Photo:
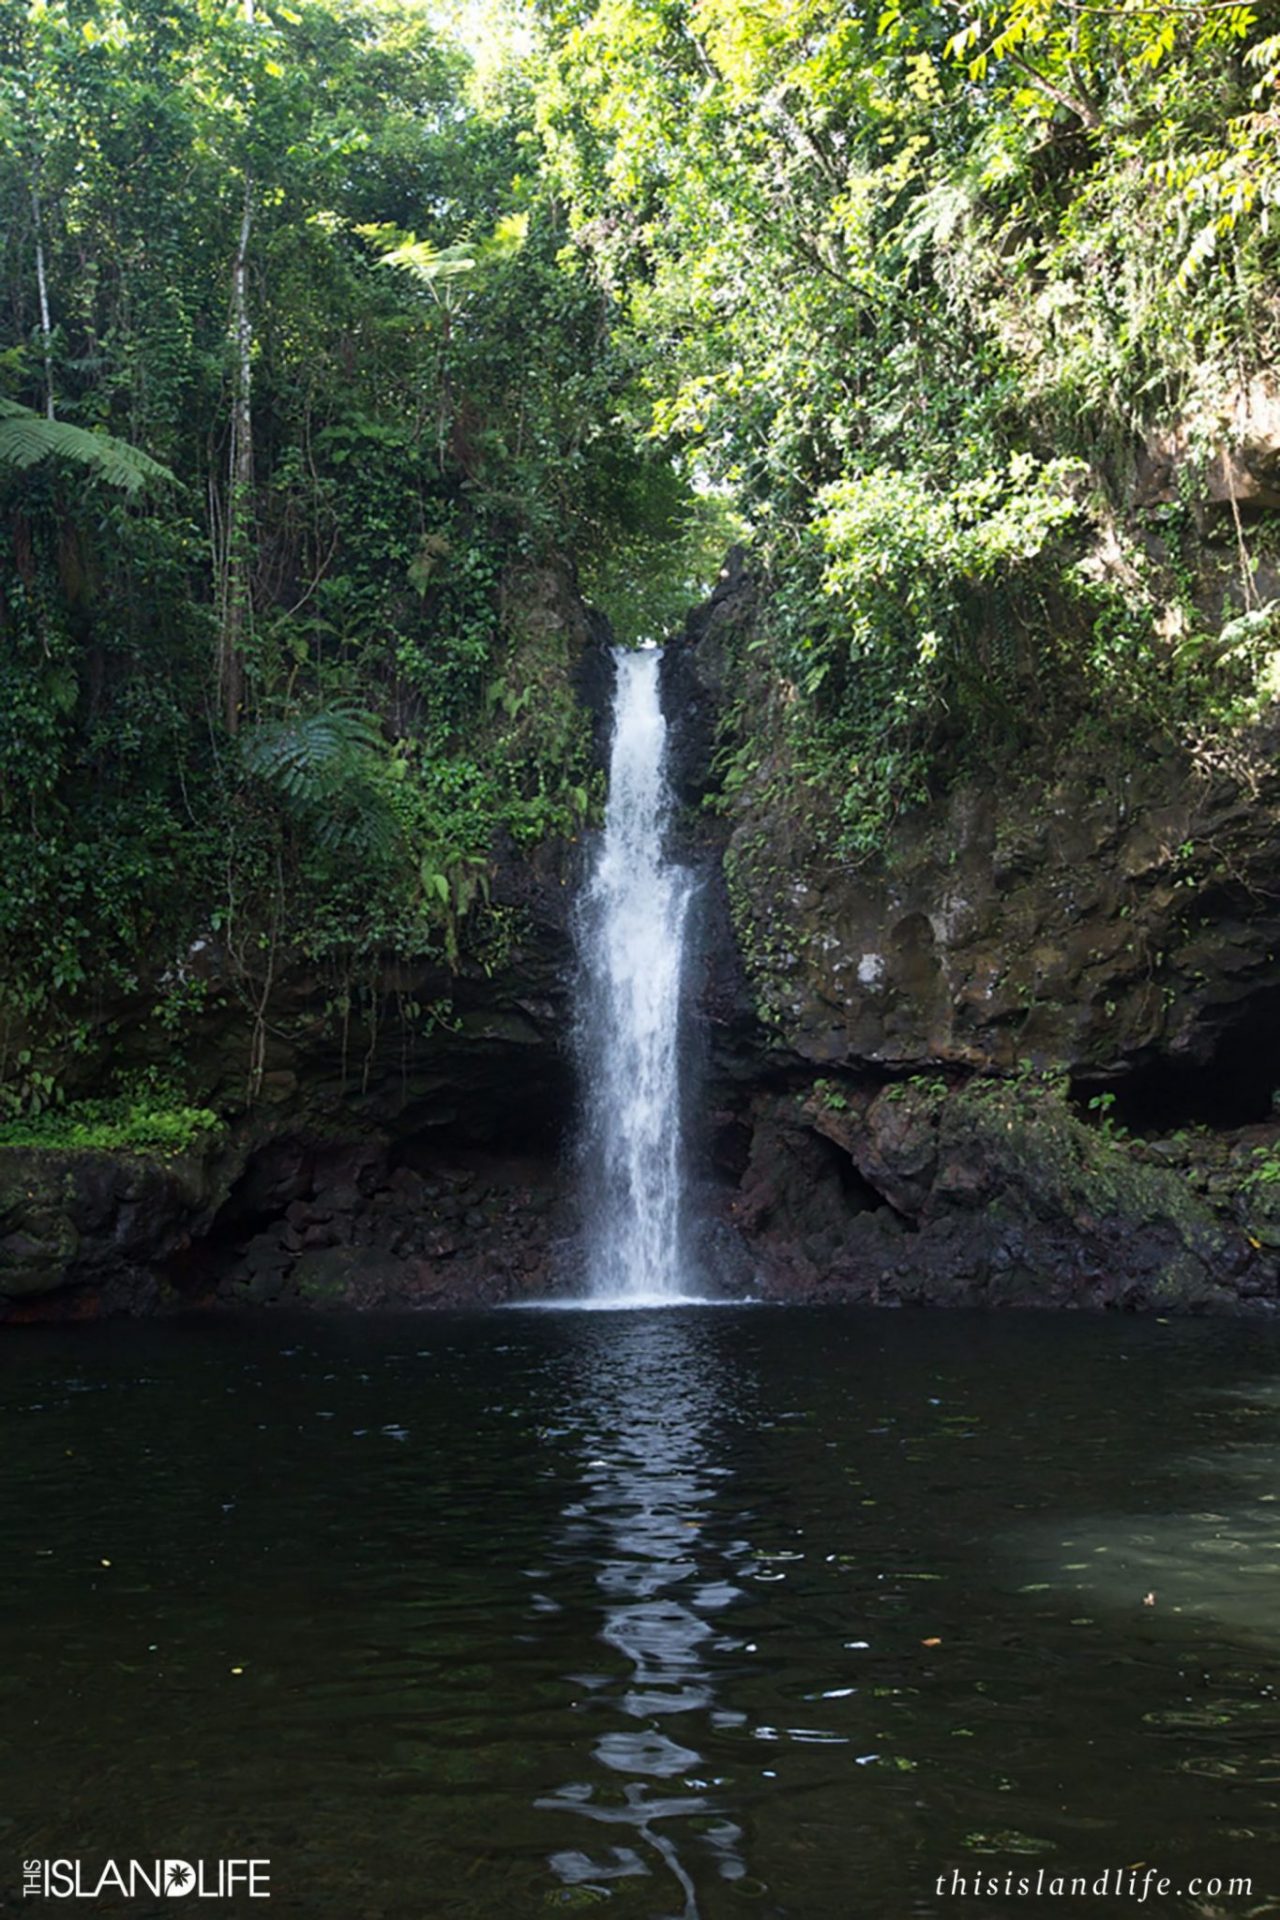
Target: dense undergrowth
[156,1124]
[327,342]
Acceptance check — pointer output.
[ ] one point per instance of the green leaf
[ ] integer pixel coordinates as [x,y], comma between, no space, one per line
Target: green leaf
[27,438]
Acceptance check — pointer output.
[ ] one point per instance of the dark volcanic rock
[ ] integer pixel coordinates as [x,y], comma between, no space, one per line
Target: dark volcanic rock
[1120,925]
[477,1229]
[697,677]
[594,680]
[1120,922]
[101,1223]
[990,1195]
[1112,925]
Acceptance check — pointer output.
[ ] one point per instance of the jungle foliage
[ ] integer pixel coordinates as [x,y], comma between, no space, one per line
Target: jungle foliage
[303,380]
[915,281]
[322,337]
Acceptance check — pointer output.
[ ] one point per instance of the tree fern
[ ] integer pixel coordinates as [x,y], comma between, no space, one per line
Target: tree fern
[27,438]
[324,766]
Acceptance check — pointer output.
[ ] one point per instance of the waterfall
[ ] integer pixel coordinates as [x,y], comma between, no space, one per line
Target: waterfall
[630,929]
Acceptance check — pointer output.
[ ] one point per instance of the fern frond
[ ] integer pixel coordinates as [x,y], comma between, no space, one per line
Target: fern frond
[27,437]
[324,766]
[310,755]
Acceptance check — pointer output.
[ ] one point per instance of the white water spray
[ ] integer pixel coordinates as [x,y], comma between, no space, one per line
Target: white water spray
[631,927]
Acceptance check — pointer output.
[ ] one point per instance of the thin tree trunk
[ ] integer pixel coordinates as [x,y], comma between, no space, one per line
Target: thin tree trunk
[42,288]
[236,597]
[445,410]
[235,568]
[1078,103]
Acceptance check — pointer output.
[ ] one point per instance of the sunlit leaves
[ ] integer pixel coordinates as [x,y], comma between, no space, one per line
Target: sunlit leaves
[434,268]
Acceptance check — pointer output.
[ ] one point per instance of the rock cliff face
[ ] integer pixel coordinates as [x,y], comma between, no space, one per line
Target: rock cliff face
[904,1117]
[1121,929]
[990,1194]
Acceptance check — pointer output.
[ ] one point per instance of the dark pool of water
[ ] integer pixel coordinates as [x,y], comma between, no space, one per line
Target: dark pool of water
[715,1613]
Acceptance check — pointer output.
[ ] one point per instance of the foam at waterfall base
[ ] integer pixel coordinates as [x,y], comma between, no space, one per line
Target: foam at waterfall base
[624,1303]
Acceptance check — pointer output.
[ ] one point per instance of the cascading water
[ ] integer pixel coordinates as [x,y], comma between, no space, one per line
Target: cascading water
[631,927]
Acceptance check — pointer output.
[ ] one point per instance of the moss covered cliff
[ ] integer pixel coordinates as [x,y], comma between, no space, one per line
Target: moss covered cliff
[1020,1042]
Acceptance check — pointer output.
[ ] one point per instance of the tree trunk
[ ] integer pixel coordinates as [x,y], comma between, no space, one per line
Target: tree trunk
[235,593]
[42,288]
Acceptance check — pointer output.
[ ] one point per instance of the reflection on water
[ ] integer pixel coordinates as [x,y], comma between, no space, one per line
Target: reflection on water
[670,1615]
[650,1406]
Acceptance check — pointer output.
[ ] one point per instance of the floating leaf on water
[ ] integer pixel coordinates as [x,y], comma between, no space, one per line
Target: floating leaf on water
[1187,1717]
[1006,1841]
